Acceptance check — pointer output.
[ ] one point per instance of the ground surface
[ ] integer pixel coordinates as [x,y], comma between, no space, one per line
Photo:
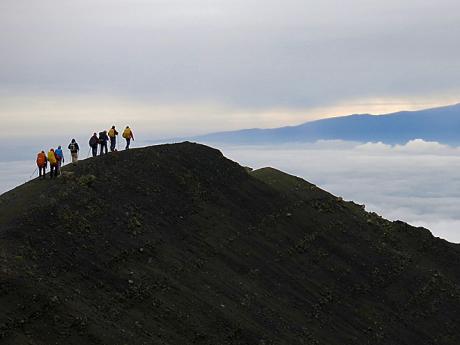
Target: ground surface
[175,244]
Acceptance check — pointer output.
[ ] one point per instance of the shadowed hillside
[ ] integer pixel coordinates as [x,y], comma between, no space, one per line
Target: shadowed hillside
[175,244]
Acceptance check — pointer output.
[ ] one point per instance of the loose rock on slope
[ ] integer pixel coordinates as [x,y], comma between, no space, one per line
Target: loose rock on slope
[175,244]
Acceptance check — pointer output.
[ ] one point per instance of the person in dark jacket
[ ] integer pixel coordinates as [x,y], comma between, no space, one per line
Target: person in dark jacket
[103,138]
[74,148]
[93,143]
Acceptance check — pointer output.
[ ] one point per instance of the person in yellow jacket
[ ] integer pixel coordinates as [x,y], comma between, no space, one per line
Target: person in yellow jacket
[54,165]
[113,138]
[128,135]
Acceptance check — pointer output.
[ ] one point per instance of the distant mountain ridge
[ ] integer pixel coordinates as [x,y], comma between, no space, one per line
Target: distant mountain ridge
[437,124]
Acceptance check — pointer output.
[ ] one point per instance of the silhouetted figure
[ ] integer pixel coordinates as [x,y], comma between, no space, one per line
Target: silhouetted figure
[103,138]
[93,142]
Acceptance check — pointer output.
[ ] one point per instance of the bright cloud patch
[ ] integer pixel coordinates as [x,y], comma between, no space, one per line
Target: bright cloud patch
[414,146]
[418,182]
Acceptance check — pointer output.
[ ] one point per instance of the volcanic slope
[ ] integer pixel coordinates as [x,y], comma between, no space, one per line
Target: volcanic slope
[175,244]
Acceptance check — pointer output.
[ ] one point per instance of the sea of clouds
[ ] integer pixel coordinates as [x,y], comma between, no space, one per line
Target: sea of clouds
[418,182]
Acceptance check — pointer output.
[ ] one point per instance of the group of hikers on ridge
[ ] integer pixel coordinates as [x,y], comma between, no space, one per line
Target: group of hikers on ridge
[56,157]
[110,135]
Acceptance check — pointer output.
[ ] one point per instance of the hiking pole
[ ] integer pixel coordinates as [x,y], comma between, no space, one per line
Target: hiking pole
[33,173]
[118,144]
[87,155]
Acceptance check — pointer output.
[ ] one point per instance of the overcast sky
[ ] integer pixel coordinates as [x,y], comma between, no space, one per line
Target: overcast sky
[173,67]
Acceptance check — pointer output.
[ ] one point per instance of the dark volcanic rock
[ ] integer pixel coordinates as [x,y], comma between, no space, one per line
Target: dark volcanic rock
[175,244]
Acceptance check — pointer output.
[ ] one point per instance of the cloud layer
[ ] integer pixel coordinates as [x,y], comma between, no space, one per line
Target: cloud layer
[418,182]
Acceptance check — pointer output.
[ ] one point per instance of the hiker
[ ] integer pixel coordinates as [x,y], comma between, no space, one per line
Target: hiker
[59,156]
[93,142]
[42,162]
[74,148]
[113,138]
[103,138]
[128,135]
[53,163]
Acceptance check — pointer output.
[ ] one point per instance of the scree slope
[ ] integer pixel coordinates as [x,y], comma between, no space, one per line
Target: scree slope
[175,244]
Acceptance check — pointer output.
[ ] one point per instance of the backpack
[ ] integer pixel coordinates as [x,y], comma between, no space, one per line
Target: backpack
[41,159]
[72,147]
[52,158]
[102,137]
[58,154]
[127,133]
[93,141]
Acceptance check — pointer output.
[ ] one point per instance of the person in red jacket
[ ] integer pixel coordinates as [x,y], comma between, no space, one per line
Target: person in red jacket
[42,163]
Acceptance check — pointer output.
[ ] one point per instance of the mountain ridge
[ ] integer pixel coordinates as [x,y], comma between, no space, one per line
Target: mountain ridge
[175,244]
[433,124]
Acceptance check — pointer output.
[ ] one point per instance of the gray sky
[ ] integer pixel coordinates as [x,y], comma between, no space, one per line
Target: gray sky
[191,66]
